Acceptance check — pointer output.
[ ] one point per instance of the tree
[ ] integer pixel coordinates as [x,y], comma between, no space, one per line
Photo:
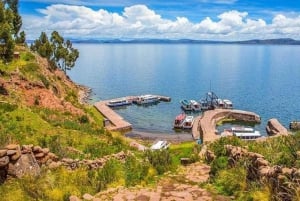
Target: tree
[43,46]
[56,50]
[6,39]
[16,18]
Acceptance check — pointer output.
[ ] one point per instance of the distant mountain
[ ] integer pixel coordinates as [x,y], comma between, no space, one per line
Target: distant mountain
[280,41]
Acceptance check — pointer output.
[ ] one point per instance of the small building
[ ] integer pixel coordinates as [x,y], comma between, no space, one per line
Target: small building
[17,55]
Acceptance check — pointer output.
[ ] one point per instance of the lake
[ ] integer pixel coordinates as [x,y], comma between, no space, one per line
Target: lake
[264,79]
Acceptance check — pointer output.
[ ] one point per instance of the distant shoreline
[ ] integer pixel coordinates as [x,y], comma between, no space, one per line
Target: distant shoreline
[280,41]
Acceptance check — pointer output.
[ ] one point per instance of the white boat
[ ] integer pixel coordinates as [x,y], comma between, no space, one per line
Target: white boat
[227,104]
[178,122]
[245,133]
[161,144]
[188,122]
[219,103]
[147,99]
[119,102]
[195,105]
[186,105]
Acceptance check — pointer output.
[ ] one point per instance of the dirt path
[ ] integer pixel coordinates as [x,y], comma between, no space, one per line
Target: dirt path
[180,187]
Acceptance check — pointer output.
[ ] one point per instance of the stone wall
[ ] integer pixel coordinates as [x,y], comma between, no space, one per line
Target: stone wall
[283,181]
[16,161]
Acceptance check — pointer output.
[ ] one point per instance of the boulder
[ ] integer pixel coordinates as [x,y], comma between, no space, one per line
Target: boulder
[274,127]
[26,164]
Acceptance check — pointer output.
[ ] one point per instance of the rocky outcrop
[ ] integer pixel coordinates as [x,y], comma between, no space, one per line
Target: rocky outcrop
[274,127]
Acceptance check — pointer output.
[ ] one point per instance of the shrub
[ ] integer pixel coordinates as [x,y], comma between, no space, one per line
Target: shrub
[135,171]
[231,181]
[83,119]
[160,160]
[218,164]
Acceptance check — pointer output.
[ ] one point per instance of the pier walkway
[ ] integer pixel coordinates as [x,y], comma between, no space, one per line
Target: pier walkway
[204,127]
[117,123]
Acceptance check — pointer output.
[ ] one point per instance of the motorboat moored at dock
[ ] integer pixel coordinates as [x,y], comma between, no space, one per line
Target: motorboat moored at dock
[227,104]
[188,122]
[147,99]
[119,102]
[245,133]
[195,106]
[186,105]
[178,122]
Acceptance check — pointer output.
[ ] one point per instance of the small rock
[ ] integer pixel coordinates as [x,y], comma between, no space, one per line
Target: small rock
[11,152]
[74,198]
[4,161]
[12,147]
[16,156]
[87,196]
[54,165]
[46,150]
[37,149]
[39,155]
[3,152]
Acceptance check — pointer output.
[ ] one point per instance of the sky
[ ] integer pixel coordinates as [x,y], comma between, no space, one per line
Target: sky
[226,20]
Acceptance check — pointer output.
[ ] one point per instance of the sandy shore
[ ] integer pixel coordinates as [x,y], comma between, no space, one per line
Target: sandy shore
[172,137]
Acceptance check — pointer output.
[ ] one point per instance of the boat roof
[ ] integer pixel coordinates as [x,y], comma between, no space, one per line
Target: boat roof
[254,134]
[227,101]
[180,116]
[159,144]
[189,118]
[194,102]
[241,128]
[148,96]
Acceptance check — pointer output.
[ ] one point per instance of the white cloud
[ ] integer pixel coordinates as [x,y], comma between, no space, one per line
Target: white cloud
[139,21]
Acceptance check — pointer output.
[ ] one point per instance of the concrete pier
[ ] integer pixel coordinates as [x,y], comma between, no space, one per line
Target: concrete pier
[117,123]
[204,127]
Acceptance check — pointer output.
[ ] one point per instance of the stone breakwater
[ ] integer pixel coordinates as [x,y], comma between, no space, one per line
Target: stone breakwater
[16,161]
[206,125]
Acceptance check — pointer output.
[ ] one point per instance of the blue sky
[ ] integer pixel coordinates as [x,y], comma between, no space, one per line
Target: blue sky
[173,19]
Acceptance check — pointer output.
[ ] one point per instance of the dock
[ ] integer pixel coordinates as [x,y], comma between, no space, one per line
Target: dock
[204,127]
[117,123]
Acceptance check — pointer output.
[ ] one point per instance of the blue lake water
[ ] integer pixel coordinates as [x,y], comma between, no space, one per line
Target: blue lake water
[264,79]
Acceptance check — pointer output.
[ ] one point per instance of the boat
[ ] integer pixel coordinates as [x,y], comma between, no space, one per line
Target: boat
[219,103]
[227,104]
[119,102]
[246,133]
[178,122]
[161,144]
[186,105]
[204,104]
[195,106]
[188,122]
[147,99]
